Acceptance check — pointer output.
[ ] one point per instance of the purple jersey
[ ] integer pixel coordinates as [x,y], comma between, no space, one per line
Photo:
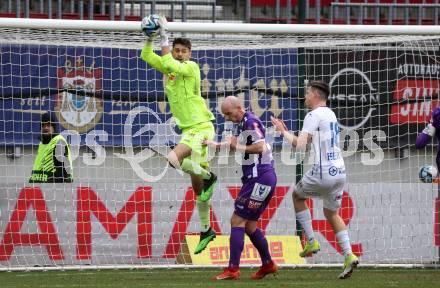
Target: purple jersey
[252,131]
[423,139]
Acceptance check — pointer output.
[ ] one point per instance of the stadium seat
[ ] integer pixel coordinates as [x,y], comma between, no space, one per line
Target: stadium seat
[101,17]
[7,15]
[428,22]
[338,21]
[369,21]
[132,18]
[398,22]
[40,15]
[283,3]
[268,20]
[70,16]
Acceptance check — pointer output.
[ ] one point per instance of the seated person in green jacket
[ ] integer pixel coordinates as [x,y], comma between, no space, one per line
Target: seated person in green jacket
[53,163]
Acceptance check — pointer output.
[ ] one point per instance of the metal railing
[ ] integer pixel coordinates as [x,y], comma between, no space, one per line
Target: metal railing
[392,9]
[92,9]
[185,10]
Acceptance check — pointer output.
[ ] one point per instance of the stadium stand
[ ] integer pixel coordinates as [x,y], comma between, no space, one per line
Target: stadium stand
[390,12]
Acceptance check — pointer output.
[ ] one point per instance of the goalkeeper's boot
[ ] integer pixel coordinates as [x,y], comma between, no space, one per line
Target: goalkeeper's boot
[310,249]
[208,188]
[205,238]
[351,262]
[228,274]
[269,268]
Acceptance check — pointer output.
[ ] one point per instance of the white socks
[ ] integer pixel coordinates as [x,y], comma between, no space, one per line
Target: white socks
[305,219]
[344,242]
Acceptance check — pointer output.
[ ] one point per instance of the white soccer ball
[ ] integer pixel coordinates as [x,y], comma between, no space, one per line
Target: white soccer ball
[427,173]
[150,25]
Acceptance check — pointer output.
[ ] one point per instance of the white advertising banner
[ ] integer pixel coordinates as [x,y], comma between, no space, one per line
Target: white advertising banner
[132,223]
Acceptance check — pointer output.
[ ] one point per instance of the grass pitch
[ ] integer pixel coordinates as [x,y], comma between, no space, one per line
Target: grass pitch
[315,277]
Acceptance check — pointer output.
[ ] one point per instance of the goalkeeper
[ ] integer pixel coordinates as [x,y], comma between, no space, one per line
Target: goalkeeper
[182,86]
[433,128]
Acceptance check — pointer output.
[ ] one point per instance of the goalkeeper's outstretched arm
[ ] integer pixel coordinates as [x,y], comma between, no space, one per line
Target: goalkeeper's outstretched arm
[424,137]
[148,55]
[430,129]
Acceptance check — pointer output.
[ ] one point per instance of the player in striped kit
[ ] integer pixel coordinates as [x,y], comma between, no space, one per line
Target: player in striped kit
[326,178]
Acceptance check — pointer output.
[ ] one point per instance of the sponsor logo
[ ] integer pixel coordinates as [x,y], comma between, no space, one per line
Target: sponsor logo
[332,156]
[77,112]
[363,94]
[420,92]
[254,205]
[333,171]
[172,77]
[424,70]
[260,192]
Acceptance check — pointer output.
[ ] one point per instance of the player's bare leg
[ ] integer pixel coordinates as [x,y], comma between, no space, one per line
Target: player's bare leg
[304,217]
[340,229]
[176,156]
[335,220]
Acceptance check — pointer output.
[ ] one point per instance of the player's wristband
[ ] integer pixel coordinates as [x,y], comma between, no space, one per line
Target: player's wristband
[164,40]
[429,130]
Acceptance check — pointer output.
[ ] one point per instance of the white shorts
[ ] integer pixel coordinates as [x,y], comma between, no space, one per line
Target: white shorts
[327,186]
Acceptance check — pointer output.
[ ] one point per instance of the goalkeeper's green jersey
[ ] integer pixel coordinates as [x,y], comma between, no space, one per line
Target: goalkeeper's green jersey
[182,87]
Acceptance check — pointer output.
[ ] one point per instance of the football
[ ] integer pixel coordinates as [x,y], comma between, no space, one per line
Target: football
[150,25]
[427,173]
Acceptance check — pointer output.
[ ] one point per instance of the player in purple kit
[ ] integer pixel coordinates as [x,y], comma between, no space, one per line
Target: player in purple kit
[433,128]
[259,181]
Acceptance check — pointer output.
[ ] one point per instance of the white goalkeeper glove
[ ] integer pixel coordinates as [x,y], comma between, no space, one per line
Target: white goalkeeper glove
[429,130]
[163,32]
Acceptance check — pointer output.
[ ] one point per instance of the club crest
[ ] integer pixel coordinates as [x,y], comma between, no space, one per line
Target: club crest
[78,112]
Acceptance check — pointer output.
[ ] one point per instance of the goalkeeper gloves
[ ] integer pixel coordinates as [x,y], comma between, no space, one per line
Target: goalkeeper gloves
[429,130]
[163,32]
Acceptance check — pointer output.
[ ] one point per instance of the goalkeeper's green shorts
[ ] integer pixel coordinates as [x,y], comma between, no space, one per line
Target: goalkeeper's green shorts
[193,138]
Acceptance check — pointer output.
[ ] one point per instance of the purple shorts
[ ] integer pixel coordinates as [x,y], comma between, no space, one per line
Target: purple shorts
[255,195]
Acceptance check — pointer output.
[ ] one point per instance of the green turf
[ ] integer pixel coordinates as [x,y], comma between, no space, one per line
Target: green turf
[316,277]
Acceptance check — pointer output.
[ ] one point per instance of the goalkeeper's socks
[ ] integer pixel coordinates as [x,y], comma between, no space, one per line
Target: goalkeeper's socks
[194,168]
[236,245]
[260,242]
[203,209]
[305,219]
[344,242]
